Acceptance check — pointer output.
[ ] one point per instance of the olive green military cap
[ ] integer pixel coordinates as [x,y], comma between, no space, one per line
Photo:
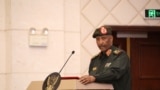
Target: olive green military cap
[103,30]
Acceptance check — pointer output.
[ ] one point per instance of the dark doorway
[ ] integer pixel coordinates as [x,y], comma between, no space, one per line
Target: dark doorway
[145,60]
[144,56]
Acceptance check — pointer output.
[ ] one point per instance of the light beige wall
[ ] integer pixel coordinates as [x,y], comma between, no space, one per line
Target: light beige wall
[70,24]
[23,63]
[2,46]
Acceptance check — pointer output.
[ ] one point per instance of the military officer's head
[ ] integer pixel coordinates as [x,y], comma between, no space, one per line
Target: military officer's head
[104,38]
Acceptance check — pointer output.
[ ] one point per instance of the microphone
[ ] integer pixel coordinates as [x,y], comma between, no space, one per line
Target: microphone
[66,61]
[53,80]
[73,52]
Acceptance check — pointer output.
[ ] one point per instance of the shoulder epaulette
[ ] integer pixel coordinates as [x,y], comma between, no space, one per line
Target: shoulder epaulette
[117,51]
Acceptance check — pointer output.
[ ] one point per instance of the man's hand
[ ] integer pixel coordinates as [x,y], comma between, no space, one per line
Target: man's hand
[87,79]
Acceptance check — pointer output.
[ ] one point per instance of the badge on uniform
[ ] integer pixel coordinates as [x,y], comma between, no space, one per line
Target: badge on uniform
[94,68]
[107,64]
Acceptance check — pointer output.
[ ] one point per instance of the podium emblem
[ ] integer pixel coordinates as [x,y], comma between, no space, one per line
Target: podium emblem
[52,81]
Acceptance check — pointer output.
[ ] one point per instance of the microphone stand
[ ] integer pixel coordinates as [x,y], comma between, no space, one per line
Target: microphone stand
[53,80]
[67,61]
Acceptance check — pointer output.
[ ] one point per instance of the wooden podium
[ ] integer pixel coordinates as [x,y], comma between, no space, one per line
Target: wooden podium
[72,83]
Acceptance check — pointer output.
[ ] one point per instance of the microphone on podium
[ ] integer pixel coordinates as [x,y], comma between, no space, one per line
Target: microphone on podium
[67,60]
[53,80]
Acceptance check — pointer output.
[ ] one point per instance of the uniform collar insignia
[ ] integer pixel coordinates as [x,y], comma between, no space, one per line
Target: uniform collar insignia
[108,52]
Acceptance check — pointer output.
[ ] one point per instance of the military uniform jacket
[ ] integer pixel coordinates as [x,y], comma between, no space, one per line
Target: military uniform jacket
[114,69]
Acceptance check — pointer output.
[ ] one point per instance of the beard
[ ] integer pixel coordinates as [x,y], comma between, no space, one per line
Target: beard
[104,48]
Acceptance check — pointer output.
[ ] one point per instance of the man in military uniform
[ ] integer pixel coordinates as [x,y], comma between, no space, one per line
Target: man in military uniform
[111,65]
